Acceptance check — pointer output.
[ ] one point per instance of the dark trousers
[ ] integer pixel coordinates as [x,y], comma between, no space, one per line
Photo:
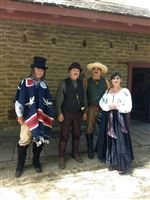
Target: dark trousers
[71,124]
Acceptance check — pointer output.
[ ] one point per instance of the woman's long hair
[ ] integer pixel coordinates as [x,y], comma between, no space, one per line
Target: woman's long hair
[32,74]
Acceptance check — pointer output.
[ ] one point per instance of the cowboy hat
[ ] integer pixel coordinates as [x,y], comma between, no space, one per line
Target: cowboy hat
[75,65]
[99,65]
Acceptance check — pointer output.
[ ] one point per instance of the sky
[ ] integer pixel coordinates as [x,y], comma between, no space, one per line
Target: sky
[137,3]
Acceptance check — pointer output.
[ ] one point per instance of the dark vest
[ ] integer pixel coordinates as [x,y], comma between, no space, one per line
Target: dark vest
[95,91]
[73,97]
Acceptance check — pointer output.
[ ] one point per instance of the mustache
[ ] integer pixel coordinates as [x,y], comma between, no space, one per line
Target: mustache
[76,74]
[96,72]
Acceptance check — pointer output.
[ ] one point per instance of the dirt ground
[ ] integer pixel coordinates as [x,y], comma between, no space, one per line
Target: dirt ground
[90,180]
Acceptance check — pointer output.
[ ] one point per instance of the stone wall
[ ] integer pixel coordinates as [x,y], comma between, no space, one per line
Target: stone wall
[61,45]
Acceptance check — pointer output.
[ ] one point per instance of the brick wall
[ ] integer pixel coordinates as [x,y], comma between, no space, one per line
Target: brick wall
[61,45]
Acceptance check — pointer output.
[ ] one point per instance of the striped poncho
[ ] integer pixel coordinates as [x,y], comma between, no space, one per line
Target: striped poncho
[36,108]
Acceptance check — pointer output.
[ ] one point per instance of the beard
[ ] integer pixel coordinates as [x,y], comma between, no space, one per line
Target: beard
[96,76]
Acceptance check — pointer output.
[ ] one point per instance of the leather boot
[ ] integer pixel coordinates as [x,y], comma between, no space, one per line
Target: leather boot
[75,150]
[36,157]
[62,148]
[61,163]
[90,151]
[22,152]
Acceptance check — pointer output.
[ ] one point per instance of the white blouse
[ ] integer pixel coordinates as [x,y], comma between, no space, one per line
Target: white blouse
[121,99]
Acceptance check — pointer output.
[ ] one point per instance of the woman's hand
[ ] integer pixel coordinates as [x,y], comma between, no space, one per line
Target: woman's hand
[20,120]
[113,107]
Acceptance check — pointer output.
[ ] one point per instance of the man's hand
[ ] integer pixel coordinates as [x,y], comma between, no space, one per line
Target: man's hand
[84,116]
[60,117]
[20,120]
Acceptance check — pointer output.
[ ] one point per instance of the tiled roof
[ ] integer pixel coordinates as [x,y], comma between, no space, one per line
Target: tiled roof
[109,6]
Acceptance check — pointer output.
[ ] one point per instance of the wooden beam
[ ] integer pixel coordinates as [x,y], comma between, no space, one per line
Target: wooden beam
[11,10]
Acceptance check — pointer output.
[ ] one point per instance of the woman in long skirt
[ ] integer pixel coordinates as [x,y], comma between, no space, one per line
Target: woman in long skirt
[114,143]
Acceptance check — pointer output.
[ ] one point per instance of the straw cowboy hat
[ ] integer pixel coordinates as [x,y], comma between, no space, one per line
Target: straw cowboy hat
[99,65]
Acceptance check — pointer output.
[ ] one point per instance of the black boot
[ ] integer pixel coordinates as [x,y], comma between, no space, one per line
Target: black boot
[62,148]
[22,152]
[75,150]
[36,157]
[89,139]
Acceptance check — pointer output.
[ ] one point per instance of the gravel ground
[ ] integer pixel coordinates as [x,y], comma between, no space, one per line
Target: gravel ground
[86,181]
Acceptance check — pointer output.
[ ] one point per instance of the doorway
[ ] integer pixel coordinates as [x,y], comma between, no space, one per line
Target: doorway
[139,85]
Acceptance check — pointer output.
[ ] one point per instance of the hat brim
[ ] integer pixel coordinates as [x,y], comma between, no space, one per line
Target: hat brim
[103,68]
[40,67]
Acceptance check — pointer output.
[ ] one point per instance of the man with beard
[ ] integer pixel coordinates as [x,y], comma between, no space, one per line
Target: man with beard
[70,102]
[96,86]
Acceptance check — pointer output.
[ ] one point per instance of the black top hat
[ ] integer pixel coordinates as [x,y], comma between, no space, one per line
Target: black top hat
[39,62]
[75,65]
